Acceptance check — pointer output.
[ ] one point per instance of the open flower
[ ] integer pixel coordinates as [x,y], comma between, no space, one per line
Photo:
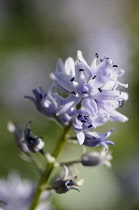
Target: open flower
[45,103]
[82,121]
[93,89]
[93,139]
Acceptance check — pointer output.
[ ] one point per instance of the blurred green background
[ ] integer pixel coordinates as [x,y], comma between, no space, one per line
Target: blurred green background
[33,35]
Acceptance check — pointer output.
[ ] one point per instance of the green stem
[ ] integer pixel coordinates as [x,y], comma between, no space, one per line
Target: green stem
[36,163]
[70,162]
[49,168]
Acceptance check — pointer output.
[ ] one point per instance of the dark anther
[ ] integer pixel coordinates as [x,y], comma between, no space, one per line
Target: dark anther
[100,90]
[79,116]
[107,58]
[83,121]
[84,92]
[94,77]
[101,60]
[81,69]
[121,103]
[115,66]
[72,79]
[86,117]
[89,126]
[96,55]
[73,93]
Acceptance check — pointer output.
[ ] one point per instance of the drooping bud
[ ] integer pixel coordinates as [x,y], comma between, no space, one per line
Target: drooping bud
[96,158]
[63,185]
[18,132]
[34,144]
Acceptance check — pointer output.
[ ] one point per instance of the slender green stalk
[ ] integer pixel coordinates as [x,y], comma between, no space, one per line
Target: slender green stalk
[70,162]
[36,163]
[49,168]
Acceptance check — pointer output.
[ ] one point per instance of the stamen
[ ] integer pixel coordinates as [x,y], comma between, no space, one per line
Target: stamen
[121,103]
[115,66]
[86,117]
[72,79]
[79,116]
[81,69]
[73,93]
[94,77]
[96,55]
[83,121]
[100,90]
[107,58]
[89,126]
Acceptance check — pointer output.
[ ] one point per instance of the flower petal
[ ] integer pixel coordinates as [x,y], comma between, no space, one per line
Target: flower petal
[80,137]
[101,119]
[116,116]
[81,58]
[68,103]
[60,66]
[90,105]
[69,67]
[64,80]
[106,95]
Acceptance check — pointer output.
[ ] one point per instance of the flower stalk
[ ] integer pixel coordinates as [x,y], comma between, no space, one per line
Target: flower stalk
[48,170]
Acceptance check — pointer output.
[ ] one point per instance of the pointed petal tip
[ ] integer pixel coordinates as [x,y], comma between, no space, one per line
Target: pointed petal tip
[80,137]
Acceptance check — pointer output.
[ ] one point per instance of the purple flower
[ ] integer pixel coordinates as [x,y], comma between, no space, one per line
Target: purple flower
[82,121]
[93,86]
[45,103]
[34,144]
[93,139]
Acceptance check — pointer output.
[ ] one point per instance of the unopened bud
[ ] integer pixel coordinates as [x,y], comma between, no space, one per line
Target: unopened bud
[66,183]
[96,158]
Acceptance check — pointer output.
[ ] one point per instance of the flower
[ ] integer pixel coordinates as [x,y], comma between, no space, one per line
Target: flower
[45,103]
[48,104]
[18,132]
[93,89]
[82,121]
[93,139]
[91,94]
[96,158]
[63,185]
[34,144]
[18,193]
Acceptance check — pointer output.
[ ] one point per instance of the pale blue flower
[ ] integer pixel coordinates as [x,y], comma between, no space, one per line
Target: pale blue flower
[82,121]
[45,103]
[92,92]
[94,86]
[93,139]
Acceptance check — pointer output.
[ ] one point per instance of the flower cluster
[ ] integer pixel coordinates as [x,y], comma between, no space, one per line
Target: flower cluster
[91,96]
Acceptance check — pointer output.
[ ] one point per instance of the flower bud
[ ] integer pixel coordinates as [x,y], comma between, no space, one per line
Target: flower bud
[66,183]
[34,144]
[63,186]
[18,132]
[96,158]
